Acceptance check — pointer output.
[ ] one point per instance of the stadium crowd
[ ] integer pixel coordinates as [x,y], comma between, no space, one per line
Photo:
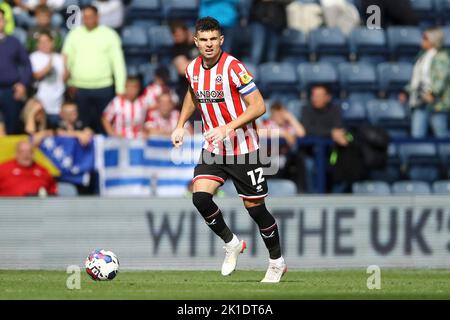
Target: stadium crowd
[122,73]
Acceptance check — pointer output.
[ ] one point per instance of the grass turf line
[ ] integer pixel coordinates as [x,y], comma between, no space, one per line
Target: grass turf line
[241,285]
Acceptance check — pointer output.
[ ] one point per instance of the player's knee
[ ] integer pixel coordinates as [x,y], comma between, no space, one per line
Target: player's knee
[204,203]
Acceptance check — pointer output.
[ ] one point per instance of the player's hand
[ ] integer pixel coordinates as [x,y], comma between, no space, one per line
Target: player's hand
[177,137]
[217,134]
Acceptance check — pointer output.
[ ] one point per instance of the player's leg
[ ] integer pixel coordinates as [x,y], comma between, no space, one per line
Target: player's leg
[269,232]
[207,178]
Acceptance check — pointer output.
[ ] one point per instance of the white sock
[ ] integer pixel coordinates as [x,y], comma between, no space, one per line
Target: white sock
[234,242]
[278,261]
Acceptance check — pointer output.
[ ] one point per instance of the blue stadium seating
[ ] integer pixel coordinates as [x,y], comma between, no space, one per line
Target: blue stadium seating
[145,9]
[389,114]
[293,46]
[281,187]
[404,42]
[393,77]
[354,113]
[318,72]
[357,76]
[328,44]
[21,35]
[181,9]
[147,70]
[368,45]
[135,42]
[411,188]
[278,77]
[295,106]
[421,161]
[160,40]
[426,12]
[371,188]
[441,187]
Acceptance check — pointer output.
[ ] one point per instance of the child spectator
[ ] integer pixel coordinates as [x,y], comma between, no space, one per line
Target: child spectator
[43,16]
[23,177]
[35,121]
[24,9]
[51,73]
[125,115]
[284,121]
[71,126]
[159,85]
[162,120]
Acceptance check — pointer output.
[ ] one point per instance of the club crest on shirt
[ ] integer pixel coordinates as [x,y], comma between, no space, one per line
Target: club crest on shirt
[245,77]
[219,79]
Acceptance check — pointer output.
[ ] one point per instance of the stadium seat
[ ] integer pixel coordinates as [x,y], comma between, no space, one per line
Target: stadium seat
[404,42]
[147,70]
[368,45]
[420,160]
[410,188]
[66,190]
[295,107]
[389,114]
[318,72]
[281,187]
[21,35]
[393,77]
[358,76]
[135,42]
[354,113]
[444,155]
[328,44]
[446,30]
[160,40]
[425,11]
[145,9]
[441,187]
[278,76]
[293,46]
[371,188]
[181,9]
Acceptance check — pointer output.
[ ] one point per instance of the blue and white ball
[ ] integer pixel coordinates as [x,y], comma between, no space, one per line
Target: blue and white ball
[102,265]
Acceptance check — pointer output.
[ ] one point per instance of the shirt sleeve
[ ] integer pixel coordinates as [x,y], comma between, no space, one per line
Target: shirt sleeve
[109,112]
[242,79]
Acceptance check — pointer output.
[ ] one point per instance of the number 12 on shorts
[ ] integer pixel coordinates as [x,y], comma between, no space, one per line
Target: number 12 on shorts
[254,173]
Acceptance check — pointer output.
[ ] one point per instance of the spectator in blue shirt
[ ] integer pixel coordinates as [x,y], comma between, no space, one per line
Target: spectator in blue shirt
[226,12]
[15,77]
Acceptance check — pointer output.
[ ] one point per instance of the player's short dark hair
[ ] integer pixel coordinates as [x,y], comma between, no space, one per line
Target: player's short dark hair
[323,86]
[207,24]
[90,7]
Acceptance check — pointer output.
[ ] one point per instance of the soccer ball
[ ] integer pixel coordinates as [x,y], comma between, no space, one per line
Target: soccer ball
[102,265]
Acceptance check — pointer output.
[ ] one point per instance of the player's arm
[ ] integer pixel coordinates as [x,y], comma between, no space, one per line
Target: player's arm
[188,108]
[255,108]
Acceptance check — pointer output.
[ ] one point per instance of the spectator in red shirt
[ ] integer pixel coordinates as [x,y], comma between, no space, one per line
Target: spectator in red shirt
[23,177]
[159,85]
[162,120]
[125,114]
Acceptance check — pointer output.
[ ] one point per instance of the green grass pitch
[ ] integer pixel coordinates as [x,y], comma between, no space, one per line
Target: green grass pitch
[241,285]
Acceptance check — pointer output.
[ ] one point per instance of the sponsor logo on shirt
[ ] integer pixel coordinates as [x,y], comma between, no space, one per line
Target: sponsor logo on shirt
[210,96]
[245,78]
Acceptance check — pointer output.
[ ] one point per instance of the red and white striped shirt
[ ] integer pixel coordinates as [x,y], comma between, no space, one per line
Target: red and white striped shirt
[126,117]
[219,91]
[155,120]
[152,93]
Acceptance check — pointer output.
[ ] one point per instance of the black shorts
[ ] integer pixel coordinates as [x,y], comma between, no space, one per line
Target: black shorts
[246,172]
